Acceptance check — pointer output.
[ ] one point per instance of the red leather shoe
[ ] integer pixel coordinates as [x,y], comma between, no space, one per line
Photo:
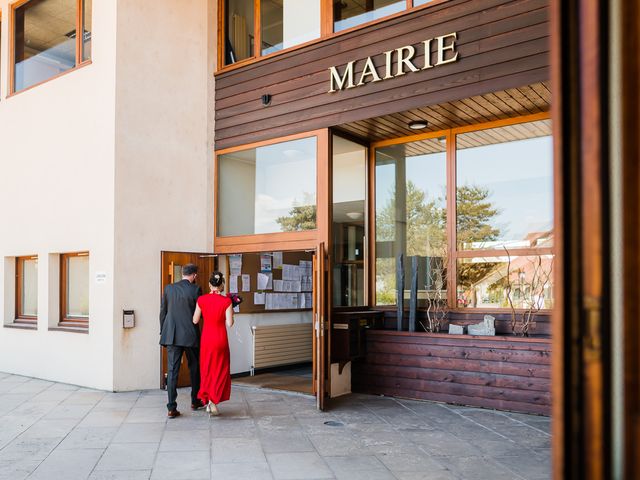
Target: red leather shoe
[173,413]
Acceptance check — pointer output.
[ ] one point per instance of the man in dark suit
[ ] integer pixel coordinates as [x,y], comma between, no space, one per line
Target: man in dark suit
[180,335]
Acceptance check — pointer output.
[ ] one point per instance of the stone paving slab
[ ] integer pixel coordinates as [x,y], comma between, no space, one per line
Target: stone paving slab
[55,431]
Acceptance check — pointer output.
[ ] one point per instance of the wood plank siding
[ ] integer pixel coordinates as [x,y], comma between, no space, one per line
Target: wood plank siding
[502,44]
[504,373]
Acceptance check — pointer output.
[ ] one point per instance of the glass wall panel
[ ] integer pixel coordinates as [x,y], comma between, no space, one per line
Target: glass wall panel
[77,287]
[239,30]
[268,189]
[87,23]
[286,23]
[29,287]
[411,215]
[495,282]
[349,13]
[349,215]
[417,3]
[45,40]
[505,187]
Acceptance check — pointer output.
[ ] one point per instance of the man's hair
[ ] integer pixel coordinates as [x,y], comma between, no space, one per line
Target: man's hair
[189,269]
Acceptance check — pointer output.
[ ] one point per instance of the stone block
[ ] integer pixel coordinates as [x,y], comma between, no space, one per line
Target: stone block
[456,329]
[486,327]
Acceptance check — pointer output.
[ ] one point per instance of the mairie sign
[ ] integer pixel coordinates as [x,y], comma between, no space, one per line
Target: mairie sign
[397,62]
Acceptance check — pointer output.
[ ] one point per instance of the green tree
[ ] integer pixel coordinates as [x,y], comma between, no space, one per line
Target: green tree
[474,214]
[301,217]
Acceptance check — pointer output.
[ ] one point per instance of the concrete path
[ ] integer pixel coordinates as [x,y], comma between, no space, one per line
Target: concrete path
[54,431]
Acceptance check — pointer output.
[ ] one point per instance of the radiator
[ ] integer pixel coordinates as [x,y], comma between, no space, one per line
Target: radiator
[275,345]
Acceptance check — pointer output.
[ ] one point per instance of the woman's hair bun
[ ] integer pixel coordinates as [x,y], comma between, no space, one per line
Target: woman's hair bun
[216,279]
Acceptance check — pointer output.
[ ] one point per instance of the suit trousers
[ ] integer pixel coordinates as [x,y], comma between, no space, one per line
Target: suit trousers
[174,357]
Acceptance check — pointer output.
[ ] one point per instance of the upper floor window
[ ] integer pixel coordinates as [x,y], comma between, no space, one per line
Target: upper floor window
[255,28]
[47,39]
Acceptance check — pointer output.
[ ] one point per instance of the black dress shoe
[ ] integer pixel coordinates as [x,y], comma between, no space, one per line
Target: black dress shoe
[197,405]
[173,413]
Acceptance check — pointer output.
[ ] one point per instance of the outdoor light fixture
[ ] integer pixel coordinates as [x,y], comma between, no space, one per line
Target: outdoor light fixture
[418,124]
[355,215]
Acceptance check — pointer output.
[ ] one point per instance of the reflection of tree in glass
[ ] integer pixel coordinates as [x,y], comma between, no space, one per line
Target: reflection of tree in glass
[474,215]
[301,217]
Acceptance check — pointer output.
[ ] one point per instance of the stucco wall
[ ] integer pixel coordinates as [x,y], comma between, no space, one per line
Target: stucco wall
[163,164]
[57,195]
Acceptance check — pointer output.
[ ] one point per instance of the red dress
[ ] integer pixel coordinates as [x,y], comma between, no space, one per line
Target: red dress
[215,373]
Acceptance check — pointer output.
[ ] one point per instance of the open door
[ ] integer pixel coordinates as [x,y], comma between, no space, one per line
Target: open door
[172,263]
[320,326]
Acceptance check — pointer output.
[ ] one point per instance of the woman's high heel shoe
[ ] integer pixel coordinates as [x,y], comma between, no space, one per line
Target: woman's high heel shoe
[212,409]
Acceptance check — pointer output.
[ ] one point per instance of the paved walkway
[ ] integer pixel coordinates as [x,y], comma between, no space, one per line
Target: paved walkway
[54,431]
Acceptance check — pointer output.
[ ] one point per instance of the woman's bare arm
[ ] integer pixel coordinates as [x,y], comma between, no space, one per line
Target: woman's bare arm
[197,314]
[229,314]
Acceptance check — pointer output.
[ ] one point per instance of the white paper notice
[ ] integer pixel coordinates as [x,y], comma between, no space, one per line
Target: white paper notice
[236,309]
[291,272]
[306,266]
[277,259]
[235,265]
[233,284]
[259,298]
[265,263]
[246,282]
[265,281]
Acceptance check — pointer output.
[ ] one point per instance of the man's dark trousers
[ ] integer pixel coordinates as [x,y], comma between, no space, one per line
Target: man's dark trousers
[174,359]
[179,334]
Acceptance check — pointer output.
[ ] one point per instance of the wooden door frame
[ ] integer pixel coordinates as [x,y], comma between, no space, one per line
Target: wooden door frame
[596,338]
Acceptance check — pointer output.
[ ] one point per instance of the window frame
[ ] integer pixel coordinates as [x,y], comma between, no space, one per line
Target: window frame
[80,63]
[452,247]
[286,240]
[69,322]
[20,318]
[326,31]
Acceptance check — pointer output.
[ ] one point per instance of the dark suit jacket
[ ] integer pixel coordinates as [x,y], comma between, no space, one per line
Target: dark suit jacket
[176,315]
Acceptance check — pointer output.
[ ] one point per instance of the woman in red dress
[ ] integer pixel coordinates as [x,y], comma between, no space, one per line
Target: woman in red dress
[215,374]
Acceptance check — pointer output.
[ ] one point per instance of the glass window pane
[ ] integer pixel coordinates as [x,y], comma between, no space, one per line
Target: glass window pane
[349,195]
[45,40]
[285,23]
[349,13]
[29,288]
[411,215]
[268,189]
[86,36]
[239,30]
[78,287]
[484,283]
[417,3]
[505,187]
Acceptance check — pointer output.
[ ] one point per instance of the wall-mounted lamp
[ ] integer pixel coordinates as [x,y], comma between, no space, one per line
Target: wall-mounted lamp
[266,99]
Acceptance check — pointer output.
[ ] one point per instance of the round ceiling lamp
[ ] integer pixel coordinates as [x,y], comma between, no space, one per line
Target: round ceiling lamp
[418,124]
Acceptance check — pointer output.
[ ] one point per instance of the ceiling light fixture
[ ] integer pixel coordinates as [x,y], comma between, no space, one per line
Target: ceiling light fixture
[418,124]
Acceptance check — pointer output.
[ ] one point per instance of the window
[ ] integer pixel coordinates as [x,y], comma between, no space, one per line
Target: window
[268,189]
[410,211]
[502,221]
[349,222]
[256,28]
[27,290]
[74,290]
[350,13]
[46,39]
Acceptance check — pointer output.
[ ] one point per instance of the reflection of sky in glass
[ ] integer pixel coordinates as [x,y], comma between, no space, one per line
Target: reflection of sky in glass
[519,176]
[285,177]
[427,172]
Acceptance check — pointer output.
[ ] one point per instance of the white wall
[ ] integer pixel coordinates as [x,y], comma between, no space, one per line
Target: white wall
[56,196]
[163,164]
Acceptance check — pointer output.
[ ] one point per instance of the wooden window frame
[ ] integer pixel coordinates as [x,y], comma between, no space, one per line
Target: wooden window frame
[452,248]
[20,318]
[67,322]
[80,63]
[306,239]
[326,31]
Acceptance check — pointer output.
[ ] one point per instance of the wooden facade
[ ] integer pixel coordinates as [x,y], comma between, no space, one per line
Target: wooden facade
[506,373]
[502,44]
